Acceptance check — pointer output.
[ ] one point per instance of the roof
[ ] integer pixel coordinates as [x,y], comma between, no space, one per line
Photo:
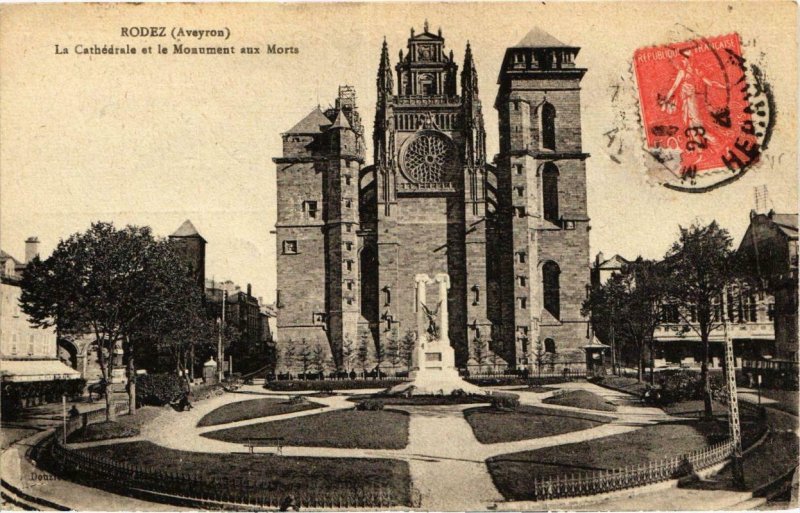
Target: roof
[614,262]
[6,256]
[341,121]
[787,223]
[187,229]
[538,38]
[311,124]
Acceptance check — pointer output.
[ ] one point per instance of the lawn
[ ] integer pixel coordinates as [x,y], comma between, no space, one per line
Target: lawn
[512,473]
[581,399]
[267,472]
[623,384]
[124,426]
[534,388]
[384,429]
[492,426]
[694,408]
[253,409]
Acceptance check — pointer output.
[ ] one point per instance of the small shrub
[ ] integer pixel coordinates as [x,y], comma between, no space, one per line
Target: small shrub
[158,389]
[297,399]
[505,402]
[326,390]
[370,405]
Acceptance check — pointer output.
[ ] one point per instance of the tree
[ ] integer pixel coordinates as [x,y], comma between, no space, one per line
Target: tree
[701,266]
[479,350]
[304,355]
[392,351]
[630,303]
[318,359]
[116,284]
[407,345]
[542,357]
[348,352]
[289,356]
[363,352]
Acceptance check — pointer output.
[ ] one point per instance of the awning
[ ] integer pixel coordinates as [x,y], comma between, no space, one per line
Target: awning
[36,370]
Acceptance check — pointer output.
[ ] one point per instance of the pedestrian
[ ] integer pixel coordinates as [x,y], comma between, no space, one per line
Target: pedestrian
[74,413]
[289,503]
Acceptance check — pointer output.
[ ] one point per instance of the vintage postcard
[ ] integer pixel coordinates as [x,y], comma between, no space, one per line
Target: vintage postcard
[399,256]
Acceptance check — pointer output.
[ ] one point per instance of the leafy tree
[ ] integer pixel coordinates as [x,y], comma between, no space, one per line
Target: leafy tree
[392,351]
[116,284]
[630,301]
[701,266]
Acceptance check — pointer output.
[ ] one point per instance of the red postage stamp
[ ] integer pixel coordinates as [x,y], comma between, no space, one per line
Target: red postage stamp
[696,108]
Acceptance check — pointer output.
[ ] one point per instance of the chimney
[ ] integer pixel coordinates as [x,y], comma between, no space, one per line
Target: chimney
[31,248]
[249,290]
[600,258]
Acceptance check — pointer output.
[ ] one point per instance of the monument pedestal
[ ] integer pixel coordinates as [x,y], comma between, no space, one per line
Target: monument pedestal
[434,372]
[433,369]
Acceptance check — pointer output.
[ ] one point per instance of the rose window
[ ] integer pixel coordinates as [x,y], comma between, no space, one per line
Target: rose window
[428,158]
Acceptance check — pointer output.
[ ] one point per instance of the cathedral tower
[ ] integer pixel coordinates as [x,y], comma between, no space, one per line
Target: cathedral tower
[542,199]
[318,219]
[428,184]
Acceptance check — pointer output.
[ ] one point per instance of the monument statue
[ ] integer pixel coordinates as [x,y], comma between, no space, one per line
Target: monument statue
[433,329]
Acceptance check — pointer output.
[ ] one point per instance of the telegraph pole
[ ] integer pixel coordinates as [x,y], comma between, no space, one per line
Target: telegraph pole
[733,401]
[220,358]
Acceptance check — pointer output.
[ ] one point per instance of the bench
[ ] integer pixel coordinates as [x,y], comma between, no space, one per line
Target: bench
[276,442]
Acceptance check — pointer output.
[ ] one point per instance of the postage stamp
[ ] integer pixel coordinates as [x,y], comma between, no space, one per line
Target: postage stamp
[704,112]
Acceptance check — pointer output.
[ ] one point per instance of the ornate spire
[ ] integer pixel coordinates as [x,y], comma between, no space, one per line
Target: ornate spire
[385,84]
[469,75]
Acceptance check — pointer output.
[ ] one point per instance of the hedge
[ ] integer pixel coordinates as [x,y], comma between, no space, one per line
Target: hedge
[326,385]
[158,389]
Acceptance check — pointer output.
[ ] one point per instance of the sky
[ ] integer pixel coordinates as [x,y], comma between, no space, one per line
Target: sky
[152,139]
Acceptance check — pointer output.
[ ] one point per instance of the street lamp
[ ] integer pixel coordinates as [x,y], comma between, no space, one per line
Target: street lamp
[221,324]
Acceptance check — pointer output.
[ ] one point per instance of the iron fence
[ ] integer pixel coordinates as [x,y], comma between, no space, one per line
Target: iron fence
[604,481]
[236,491]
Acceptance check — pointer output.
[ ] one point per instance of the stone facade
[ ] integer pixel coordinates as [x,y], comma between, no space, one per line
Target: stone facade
[512,236]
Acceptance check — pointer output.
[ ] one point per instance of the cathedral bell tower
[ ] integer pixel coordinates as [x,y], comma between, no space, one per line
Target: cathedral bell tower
[542,213]
[429,176]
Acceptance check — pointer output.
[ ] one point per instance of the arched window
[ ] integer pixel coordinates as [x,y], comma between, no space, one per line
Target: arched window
[548,126]
[552,288]
[550,192]
[549,346]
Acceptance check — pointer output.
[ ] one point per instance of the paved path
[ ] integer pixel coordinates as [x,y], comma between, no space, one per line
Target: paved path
[446,461]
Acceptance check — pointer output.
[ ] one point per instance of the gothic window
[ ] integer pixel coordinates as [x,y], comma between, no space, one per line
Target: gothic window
[551,287]
[522,281]
[348,265]
[521,257]
[548,126]
[522,302]
[348,245]
[387,291]
[771,311]
[519,211]
[349,285]
[550,192]
[549,346]
[348,203]
[476,291]
[290,247]
[520,191]
[347,227]
[519,168]
[430,157]
[347,179]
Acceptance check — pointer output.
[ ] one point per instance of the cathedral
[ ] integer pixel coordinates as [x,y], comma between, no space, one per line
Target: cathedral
[512,233]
